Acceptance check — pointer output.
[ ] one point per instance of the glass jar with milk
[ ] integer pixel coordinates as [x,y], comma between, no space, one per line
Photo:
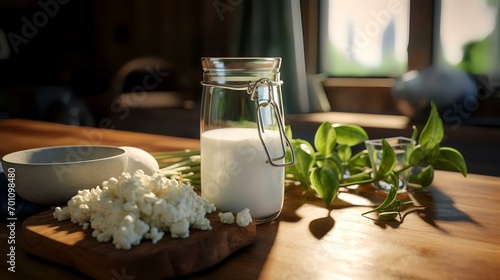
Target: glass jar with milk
[243,141]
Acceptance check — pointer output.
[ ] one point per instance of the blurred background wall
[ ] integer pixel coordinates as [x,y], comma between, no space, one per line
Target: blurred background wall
[135,65]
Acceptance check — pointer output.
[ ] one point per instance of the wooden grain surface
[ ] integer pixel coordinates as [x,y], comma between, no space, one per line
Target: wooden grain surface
[67,244]
[42,134]
[455,234]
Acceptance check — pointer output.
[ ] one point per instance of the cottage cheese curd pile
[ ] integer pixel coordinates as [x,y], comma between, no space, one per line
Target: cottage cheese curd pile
[135,206]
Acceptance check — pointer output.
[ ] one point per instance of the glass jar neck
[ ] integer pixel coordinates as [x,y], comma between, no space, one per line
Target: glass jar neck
[240,70]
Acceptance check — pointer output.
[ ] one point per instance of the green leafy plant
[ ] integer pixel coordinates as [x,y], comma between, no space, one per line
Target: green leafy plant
[329,164]
[181,165]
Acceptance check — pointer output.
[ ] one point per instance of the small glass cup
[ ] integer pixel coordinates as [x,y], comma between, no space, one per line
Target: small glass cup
[402,148]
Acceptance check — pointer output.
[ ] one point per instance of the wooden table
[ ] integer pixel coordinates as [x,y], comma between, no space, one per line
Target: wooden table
[454,235]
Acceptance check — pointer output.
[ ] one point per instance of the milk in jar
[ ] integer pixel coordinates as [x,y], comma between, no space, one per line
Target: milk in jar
[236,174]
[244,147]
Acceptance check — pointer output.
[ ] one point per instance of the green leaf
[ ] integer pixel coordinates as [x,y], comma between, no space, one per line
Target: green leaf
[356,178]
[333,163]
[350,135]
[393,210]
[422,176]
[433,132]
[325,183]
[359,162]
[344,152]
[304,161]
[360,159]
[417,156]
[393,179]
[387,216]
[391,196]
[324,139]
[387,162]
[451,160]
[433,154]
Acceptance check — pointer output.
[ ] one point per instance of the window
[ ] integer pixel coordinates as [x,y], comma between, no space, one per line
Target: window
[466,34]
[370,38]
[363,45]
[364,38]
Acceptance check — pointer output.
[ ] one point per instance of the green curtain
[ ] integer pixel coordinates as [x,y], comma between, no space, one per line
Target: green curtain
[274,29]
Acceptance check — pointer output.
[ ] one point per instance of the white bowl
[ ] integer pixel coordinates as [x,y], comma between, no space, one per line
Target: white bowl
[52,175]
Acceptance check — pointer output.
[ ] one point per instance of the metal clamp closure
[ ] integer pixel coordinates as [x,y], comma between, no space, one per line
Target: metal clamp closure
[262,103]
[251,89]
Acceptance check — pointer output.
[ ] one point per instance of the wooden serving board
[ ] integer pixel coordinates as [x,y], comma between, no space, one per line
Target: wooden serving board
[67,244]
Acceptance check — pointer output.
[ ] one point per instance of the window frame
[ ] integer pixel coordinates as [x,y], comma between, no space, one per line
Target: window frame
[368,94]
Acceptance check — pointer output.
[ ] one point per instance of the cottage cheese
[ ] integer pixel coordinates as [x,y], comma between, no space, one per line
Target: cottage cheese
[243,218]
[127,209]
[226,218]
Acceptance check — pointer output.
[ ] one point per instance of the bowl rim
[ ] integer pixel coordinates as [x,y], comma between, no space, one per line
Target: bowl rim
[5,158]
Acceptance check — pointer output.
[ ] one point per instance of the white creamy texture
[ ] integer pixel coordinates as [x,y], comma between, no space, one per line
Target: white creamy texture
[140,159]
[234,172]
[226,218]
[243,218]
[135,206]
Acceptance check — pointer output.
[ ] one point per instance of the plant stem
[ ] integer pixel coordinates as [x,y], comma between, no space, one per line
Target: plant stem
[404,168]
[174,154]
[362,182]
